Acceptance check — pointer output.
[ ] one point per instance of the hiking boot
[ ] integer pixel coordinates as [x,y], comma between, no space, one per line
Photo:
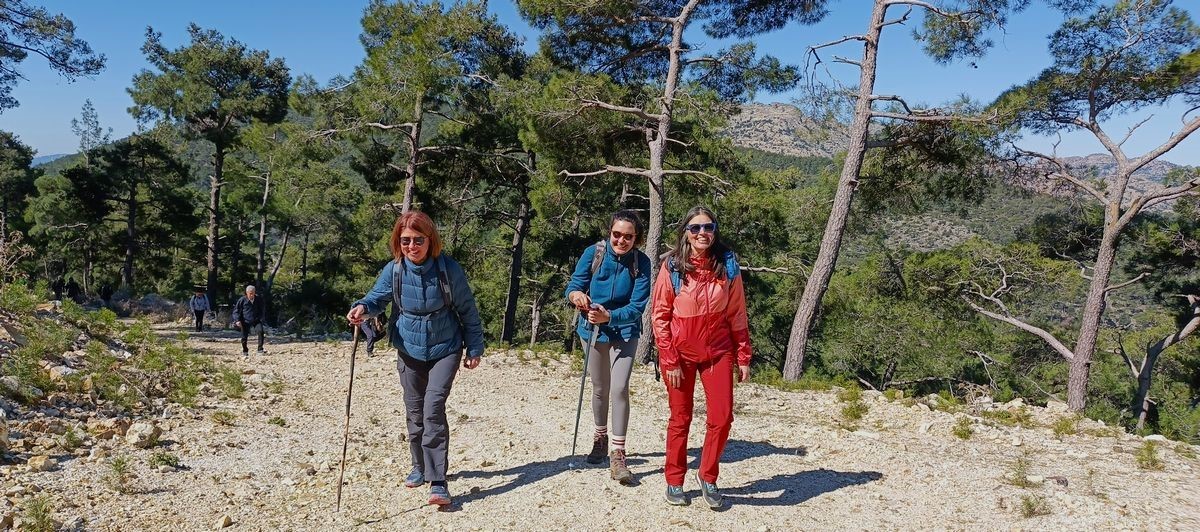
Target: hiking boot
[246,354]
[618,468]
[709,491]
[439,495]
[261,352]
[599,450]
[675,496]
[414,479]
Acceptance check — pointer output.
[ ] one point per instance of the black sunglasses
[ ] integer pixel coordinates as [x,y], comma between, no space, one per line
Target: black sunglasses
[415,240]
[695,229]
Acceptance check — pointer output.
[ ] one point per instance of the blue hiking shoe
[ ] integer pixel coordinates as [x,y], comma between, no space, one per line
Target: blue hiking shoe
[414,479]
[439,495]
[709,491]
[675,496]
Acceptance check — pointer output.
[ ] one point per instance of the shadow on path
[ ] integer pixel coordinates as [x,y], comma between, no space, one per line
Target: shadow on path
[533,472]
[795,488]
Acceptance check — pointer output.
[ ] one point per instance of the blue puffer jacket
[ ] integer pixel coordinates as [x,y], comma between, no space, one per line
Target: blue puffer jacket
[615,289]
[427,328]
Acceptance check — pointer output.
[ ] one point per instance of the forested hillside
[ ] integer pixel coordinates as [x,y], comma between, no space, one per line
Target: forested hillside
[965,266]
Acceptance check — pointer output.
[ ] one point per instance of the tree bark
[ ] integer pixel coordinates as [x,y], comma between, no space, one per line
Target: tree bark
[524,214]
[1093,311]
[414,143]
[1141,401]
[130,236]
[657,145]
[261,266]
[835,227]
[214,222]
[304,256]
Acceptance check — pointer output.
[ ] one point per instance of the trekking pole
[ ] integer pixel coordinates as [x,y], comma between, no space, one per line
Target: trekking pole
[582,380]
[346,434]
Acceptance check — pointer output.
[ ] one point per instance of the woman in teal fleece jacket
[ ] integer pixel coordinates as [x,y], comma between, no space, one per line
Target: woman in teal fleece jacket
[610,287]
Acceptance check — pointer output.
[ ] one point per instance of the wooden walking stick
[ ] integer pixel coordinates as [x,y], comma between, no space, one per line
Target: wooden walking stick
[346,434]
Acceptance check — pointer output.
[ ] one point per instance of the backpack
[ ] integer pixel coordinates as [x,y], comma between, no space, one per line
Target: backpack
[731,270]
[443,285]
[598,259]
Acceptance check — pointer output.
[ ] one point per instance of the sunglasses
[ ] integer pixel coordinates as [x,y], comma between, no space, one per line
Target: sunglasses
[695,229]
[617,235]
[414,240]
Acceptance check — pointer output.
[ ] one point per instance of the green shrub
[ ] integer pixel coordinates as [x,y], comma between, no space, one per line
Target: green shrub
[38,515]
[963,429]
[71,440]
[1065,426]
[120,474]
[231,383]
[1147,456]
[223,417]
[1033,506]
[854,411]
[276,420]
[164,458]
[1018,473]
[17,297]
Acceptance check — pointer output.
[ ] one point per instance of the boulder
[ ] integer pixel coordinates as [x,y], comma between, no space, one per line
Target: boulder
[60,373]
[143,435]
[41,463]
[1057,407]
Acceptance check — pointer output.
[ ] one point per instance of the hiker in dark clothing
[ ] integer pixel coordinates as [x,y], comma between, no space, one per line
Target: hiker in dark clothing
[374,329]
[249,313]
[106,293]
[58,286]
[435,328]
[199,306]
[73,290]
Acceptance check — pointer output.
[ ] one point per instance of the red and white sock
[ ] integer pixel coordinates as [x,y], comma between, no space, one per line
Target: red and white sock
[618,442]
[601,432]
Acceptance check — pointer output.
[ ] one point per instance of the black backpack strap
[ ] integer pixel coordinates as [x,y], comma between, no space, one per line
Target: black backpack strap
[397,306]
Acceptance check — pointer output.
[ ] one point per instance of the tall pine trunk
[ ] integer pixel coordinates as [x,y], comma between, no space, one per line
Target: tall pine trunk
[214,222]
[130,237]
[524,214]
[1089,327]
[414,155]
[658,147]
[835,227]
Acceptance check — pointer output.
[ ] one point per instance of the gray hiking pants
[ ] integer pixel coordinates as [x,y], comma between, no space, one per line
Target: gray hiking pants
[610,365]
[426,387]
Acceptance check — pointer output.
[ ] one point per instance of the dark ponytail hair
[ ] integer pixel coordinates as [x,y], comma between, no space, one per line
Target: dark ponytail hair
[626,215]
[683,252]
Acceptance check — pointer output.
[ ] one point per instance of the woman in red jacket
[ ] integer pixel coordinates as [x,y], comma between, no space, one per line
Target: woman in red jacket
[699,318]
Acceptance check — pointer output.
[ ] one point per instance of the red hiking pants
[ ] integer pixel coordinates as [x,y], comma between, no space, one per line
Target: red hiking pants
[717,377]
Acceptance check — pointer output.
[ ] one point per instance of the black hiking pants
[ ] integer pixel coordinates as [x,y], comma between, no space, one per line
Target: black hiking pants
[199,319]
[426,387]
[246,328]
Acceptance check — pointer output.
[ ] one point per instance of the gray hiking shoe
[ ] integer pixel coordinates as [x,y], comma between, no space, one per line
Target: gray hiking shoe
[675,496]
[599,450]
[618,468]
[709,491]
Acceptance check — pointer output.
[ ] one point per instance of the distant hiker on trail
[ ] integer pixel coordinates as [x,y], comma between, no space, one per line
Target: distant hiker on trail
[199,306]
[106,293]
[434,321]
[614,276]
[700,326]
[249,314]
[58,286]
[374,328]
[73,290]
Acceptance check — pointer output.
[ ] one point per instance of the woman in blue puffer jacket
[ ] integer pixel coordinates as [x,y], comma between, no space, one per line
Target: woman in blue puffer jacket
[436,324]
[610,287]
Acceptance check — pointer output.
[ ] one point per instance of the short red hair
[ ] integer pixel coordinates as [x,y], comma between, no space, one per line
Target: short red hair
[421,223]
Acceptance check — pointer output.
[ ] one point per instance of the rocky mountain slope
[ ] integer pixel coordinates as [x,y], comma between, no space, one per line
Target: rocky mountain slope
[796,460]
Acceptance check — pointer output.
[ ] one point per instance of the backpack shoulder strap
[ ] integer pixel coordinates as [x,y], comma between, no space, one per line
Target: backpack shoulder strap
[676,278]
[397,269]
[598,256]
[444,283]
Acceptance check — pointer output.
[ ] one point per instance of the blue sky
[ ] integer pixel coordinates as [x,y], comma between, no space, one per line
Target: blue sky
[321,38]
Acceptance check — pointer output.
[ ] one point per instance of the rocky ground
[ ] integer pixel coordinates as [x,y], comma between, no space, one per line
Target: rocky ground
[269,461]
